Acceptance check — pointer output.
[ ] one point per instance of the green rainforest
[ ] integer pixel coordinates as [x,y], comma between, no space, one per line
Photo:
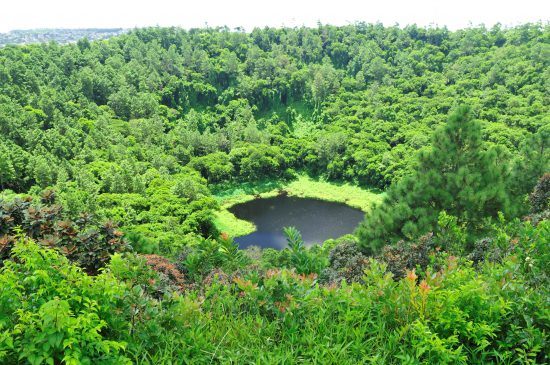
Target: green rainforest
[121,160]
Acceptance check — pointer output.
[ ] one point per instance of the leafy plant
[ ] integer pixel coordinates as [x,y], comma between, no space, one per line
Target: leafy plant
[60,313]
[84,241]
[232,257]
[302,259]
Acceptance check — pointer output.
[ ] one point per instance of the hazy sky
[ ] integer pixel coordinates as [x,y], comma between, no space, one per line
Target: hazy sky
[27,14]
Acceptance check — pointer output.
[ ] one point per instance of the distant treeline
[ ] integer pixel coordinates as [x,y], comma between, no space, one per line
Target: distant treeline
[60,35]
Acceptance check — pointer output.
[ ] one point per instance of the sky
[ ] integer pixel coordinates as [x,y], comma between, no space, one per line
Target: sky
[31,14]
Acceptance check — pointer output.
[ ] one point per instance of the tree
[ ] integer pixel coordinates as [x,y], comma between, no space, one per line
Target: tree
[215,167]
[533,162]
[44,171]
[189,187]
[121,103]
[325,82]
[7,172]
[457,175]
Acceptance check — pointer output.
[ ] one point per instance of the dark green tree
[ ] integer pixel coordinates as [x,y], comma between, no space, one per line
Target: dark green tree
[457,174]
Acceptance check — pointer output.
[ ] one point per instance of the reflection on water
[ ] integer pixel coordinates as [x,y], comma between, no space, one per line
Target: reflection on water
[317,220]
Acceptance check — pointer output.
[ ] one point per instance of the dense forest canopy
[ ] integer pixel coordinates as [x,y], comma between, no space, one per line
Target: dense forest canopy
[112,151]
[118,124]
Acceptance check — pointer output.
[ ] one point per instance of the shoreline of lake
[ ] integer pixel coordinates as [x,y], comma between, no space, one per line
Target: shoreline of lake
[316,220]
[302,187]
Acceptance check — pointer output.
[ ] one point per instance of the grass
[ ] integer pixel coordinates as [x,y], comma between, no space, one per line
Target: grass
[352,195]
[303,187]
[226,221]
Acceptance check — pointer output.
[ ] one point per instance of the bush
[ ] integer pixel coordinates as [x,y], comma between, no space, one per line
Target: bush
[493,313]
[83,241]
[538,217]
[481,250]
[272,258]
[52,312]
[540,201]
[141,244]
[404,256]
[305,261]
[167,271]
[346,262]
[198,260]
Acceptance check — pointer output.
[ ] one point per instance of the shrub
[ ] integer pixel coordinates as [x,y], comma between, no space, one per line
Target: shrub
[166,270]
[346,262]
[273,295]
[303,260]
[540,201]
[217,276]
[232,257]
[83,241]
[481,250]
[198,260]
[538,217]
[202,259]
[405,256]
[254,253]
[272,258]
[52,312]
[154,275]
[494,313]
[141,244]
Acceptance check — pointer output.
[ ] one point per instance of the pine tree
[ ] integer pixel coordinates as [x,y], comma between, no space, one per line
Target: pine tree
[457,175]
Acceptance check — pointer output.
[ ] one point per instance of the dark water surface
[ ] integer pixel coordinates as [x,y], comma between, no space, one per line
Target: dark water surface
[317,220]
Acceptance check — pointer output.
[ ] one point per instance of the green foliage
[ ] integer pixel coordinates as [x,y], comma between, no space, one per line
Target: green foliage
[216,167]
[305,261]
[52,312]
[141,244]
[451,236]
[199,260]
[453,313]
[166,215]
[533,160]
[457,175]
[294,239]
[7,171]
[160,98]
[84,241]
[137,128]
[232,257]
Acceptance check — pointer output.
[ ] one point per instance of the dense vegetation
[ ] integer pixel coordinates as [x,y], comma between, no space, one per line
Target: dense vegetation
[110,151]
